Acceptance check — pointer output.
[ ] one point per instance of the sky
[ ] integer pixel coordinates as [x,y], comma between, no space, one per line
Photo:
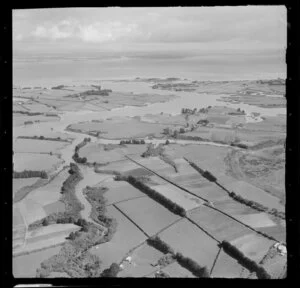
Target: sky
[163,32]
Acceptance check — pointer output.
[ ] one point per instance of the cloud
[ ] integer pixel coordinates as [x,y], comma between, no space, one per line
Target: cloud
[64,29]
[211,27]
[97,32]
[110,31]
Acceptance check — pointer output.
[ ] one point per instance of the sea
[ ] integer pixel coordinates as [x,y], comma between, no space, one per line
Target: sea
[51,70]
[55,70]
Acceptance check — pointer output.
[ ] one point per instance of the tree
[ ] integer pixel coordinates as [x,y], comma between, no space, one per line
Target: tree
[81,222]
[161,274]
[166,131]
[72,236]
[85,228]
[204,272]
[167,142]
[45,222]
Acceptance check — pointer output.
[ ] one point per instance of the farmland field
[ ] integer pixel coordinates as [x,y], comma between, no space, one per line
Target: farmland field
[278,232]
[58,275]
[19,119]
[233,207]
[138,172]
[257,220]
[177,271]
[97,153]
[226,267]
[155,164]
[125,238]
[37,146]
[31,210]
[25,266]
[205,156]
[210,191]
[141,260]
[50,192]
[253,246]
[46,237]
[31,161]
[188,239]
[119,191]
[119,166]
[148,214]
[176,195]
[20,183]
[54,207]
[253,193]
[132,111]
[217,224]
[120,128]
[17,216]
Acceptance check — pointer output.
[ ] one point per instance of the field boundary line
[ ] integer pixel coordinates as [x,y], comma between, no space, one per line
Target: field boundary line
[193,222]
[168,226]
[132,250]
[22,253]
[131,220]
[126,200]
[251,228]
[226,214]
[167,180]
[215,261]
[178,186]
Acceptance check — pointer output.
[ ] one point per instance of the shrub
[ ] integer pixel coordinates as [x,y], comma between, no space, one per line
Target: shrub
[153,151]
[165,260]
[112,271]
[169,161]
[72,236]
[58,87]
[162,274]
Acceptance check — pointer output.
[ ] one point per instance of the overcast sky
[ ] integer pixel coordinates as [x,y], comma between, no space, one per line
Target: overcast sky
[191,29]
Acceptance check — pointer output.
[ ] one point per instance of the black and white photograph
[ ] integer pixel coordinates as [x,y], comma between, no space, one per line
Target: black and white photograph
[149,142]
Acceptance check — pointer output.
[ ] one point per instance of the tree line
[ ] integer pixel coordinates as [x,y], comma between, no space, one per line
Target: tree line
[30,174]
[166,202]
[95,196]
[43,138]
[29,113]
[76,157]
[205,173]
[256,205]
[251,265]
[185,262]
[132,141]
